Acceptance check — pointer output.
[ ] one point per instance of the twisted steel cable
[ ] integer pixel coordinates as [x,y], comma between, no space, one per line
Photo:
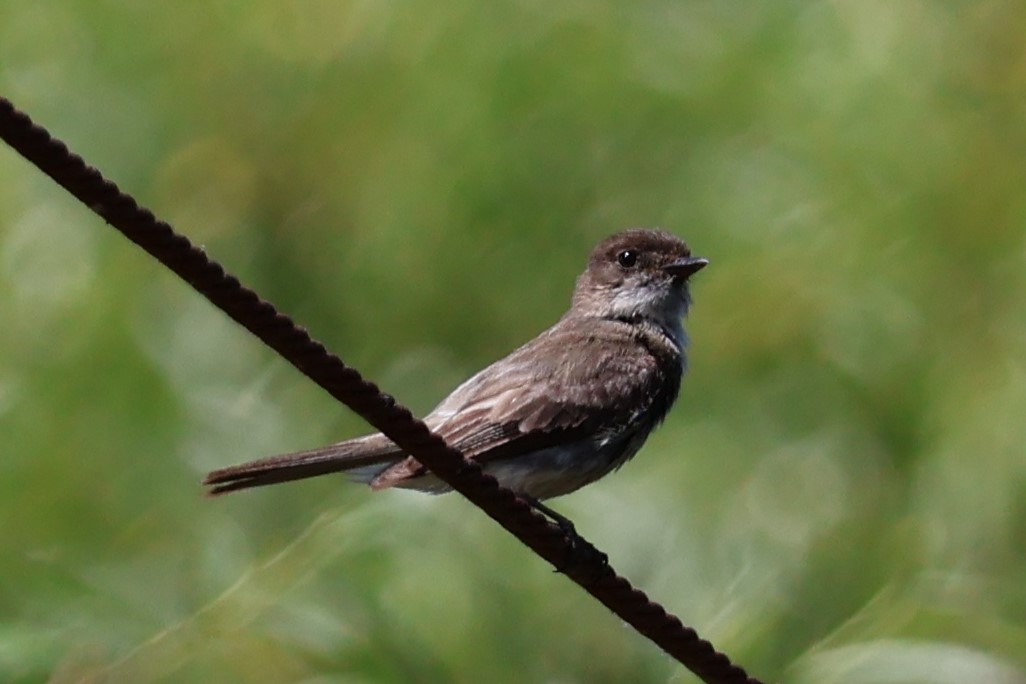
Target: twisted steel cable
[576,558]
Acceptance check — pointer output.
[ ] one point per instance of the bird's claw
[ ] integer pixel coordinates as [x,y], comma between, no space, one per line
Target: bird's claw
[581,552]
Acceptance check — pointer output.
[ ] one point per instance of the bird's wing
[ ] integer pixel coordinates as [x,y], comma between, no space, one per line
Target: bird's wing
[565,385]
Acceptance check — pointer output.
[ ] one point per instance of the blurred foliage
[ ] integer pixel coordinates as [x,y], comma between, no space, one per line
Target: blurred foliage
[840,495]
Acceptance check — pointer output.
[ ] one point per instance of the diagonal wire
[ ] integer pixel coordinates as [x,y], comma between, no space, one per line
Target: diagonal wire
[589,570]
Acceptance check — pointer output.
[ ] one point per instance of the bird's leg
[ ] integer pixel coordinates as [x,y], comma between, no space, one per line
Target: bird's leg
[565,525]
[581,550]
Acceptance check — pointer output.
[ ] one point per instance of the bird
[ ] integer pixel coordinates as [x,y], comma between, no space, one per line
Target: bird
[568,407]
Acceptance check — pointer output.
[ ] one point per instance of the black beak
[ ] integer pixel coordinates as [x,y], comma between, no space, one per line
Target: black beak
[686,267]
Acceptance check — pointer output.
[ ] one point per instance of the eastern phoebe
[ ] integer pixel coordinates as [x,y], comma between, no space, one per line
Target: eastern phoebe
[563,410]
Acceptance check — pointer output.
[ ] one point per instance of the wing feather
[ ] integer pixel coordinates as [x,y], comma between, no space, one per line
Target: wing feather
[563,386]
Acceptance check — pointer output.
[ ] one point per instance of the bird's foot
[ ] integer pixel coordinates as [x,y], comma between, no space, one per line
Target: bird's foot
[581,551]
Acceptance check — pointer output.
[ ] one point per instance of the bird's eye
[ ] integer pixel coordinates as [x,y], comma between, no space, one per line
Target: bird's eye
[627,258]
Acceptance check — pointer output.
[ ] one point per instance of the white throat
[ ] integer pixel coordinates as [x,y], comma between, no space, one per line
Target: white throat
[665,307]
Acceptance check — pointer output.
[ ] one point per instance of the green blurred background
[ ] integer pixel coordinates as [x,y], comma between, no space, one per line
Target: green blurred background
[840,494]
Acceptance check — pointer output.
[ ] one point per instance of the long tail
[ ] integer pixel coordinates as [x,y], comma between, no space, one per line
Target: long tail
[362,457]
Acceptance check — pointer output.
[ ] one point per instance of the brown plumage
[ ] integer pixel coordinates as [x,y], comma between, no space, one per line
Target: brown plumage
[561,411]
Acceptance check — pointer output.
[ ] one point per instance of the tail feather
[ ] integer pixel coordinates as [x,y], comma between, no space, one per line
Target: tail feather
[359,455]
